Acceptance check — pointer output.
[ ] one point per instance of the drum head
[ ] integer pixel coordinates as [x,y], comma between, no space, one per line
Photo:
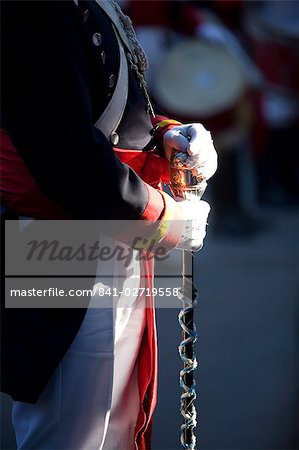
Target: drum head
[198,79]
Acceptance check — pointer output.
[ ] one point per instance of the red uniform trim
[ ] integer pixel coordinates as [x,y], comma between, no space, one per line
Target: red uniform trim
[155,205]
[147,369]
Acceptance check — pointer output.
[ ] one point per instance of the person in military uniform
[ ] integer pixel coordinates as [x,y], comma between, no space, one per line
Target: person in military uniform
[80,140]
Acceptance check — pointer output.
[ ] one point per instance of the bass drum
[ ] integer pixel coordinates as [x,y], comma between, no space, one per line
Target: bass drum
[200,81]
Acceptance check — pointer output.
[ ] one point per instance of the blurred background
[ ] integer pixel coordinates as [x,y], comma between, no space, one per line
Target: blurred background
[233,65]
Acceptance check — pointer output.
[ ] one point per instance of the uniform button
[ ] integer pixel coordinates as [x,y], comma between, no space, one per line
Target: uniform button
[114,138]
[85,15]
[103,57]
[97,39]
[111,80]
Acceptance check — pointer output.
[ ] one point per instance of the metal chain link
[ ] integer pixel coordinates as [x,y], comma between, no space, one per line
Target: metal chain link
[188,396]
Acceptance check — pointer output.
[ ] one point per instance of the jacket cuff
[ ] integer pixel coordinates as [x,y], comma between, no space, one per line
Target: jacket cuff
[162,124]
[167,231]
[171,223]
[159,229]
[155,205]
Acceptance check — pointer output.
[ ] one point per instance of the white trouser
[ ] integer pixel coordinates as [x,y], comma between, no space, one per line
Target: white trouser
[92,400]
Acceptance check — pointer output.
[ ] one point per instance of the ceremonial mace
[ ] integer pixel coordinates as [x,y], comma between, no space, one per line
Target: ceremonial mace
[185,184]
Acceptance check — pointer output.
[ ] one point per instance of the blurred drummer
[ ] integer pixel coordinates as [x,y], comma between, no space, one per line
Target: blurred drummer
[160,24]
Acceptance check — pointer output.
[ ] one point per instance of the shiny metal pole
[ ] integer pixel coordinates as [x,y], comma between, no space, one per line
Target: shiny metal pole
[184,184]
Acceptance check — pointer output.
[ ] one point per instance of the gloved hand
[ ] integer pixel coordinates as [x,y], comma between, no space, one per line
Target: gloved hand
[195,214]
[194,147]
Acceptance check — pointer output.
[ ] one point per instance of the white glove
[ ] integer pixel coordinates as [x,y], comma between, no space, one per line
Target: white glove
[196,143]
[195,214]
